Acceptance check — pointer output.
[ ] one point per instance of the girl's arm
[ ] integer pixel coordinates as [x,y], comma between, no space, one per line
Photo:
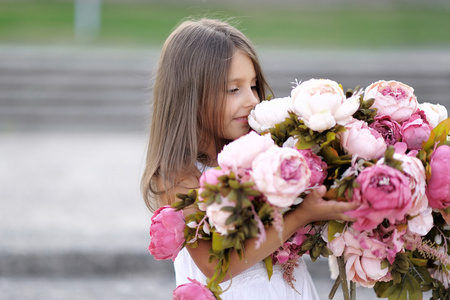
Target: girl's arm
[313,208]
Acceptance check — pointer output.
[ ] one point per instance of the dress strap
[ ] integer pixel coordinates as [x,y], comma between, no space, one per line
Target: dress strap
[202,168]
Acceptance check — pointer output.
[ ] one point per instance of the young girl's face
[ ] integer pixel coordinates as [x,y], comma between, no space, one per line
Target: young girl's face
[241,96]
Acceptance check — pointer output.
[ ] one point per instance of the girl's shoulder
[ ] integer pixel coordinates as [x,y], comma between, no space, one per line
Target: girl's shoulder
[180,185]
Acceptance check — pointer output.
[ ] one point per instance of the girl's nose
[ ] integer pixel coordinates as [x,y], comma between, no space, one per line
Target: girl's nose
[252,98]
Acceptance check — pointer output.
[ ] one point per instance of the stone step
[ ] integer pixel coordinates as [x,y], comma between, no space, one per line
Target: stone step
[44,88]
[79,264]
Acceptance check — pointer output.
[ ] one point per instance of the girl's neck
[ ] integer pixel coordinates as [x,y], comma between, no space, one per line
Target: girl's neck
[211,156]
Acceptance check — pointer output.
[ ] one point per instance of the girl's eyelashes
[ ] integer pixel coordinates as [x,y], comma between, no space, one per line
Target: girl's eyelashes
[235,90]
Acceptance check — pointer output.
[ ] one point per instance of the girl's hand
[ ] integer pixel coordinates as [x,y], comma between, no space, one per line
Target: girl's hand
[315,208]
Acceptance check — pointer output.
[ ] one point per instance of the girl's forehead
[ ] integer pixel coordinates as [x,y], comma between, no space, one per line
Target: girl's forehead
[241,68]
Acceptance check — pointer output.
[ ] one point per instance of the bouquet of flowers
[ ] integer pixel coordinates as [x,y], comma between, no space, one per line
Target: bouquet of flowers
[378,147]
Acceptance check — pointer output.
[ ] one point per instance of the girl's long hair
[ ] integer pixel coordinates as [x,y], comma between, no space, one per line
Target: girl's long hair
[189,101]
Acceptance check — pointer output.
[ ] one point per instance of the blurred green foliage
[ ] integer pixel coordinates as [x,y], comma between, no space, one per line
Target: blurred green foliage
[147,23]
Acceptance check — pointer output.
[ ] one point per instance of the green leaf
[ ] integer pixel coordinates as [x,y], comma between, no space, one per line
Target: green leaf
[412,287]
[269,266]
[389,159]
[424,274]
[333,228]
[438,135]
[247,184]
[234,184]
[341,190]
[447,210]
[251,192]
[233,196]
[408,288]
[217,242]
[384,264]
[303,144]
[326,251]
[329,154]
[331,136]
[192,194]
[245,202]
[419,262]
[231,219]
[368,103]
[228,209]
[384,289]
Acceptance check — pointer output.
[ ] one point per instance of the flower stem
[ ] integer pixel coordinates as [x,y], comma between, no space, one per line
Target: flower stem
[352,290]
[343,276]
[336,284]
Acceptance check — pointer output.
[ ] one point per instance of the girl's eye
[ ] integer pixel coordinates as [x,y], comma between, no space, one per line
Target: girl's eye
[254,87]
[232,91]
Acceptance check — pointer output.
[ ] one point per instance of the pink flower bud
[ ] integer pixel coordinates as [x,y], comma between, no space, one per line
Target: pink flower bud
[438,188]
[192,291]
[166,233]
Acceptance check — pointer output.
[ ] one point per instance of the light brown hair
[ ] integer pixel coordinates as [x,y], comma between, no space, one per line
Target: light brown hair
[189,101]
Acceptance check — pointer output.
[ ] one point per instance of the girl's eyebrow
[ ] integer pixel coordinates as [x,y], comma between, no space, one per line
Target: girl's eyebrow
[240,79]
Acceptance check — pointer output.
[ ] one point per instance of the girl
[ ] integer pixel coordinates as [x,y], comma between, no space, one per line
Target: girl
[207,82]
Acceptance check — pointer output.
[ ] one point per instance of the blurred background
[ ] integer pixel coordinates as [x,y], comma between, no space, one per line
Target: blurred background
[75,95]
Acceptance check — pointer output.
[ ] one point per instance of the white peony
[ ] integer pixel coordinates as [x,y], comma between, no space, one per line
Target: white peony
[321,104]
[218,217]
[268,113]
[435,113]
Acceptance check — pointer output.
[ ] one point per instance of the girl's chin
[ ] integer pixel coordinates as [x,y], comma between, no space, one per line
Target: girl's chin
[237,133]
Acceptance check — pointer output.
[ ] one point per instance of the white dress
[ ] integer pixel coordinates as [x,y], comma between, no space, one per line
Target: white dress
[253,283]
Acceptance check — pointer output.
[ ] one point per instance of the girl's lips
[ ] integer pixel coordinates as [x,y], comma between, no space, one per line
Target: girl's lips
[242,119]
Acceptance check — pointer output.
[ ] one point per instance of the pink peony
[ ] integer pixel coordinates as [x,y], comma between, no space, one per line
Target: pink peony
[317,167]
[415,172]
[281,174]
[290,248]
[438,188]
[365,270]
[413,168]
[389,129]
[321,104]
[238,155]
[440,273]
[422,223]
[416,130]
[392,236]
[166,233]
[192,291]
[363,255]
[393,99]
[218,217]
[209,177]
[383,193]
[362,141]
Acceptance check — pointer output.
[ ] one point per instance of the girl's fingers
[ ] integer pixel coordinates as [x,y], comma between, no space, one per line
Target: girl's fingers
[342,206]
[318,192]
[348,218]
